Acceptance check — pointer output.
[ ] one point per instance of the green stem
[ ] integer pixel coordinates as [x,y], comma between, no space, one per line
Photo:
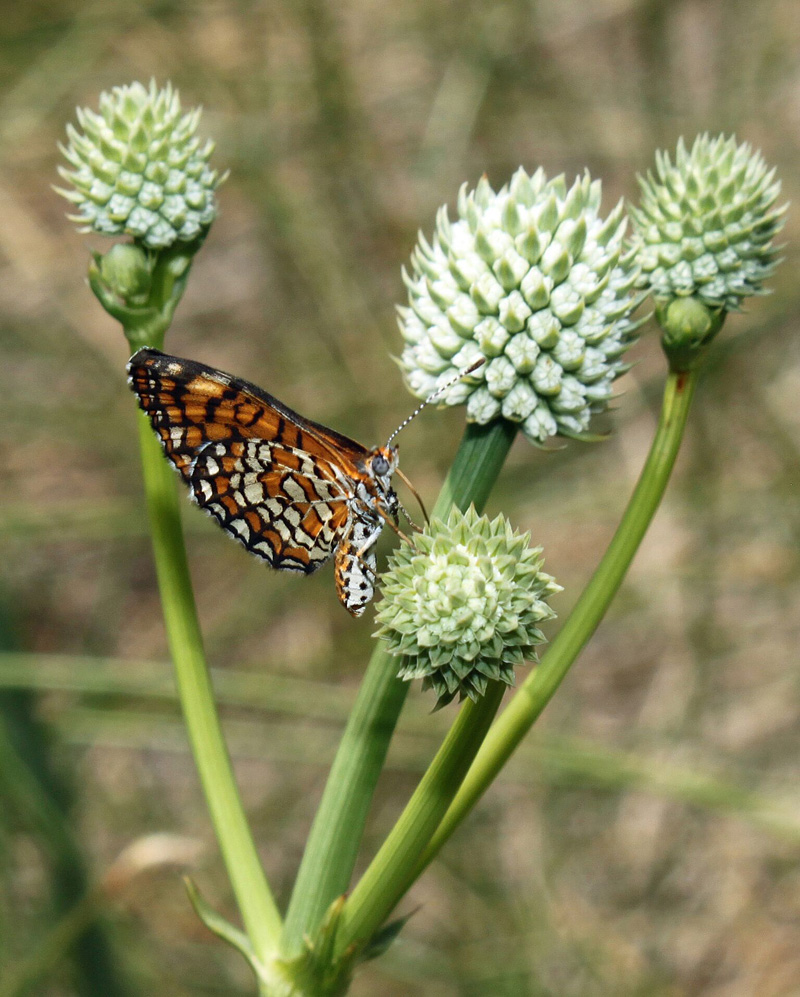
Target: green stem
[332,848]
[477,464]
[537,690]
[259,913]
[146,325]
[392,870]
[330,854]
[404,853]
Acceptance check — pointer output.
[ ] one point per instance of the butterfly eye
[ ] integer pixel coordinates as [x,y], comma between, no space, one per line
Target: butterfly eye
[380,465]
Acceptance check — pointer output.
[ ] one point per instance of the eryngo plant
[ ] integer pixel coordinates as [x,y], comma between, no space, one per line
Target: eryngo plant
[462,604]
[534,280]
[139,170]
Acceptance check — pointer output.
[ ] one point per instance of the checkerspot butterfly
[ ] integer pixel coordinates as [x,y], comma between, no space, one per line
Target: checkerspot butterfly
[293,492]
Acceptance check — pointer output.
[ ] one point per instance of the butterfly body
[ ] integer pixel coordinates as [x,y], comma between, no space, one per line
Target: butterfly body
[291,491]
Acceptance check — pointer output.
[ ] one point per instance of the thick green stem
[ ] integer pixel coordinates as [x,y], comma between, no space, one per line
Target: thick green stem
[477,464]
[537,690]
[332,848]
[259,913]
[392,870]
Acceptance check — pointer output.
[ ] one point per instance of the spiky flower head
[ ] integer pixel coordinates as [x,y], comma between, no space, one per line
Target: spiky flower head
[462,604]
[534,280]
[706,222]
[138,168]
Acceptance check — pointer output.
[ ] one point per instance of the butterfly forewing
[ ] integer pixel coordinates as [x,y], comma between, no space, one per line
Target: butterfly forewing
[290,490]
[190,404]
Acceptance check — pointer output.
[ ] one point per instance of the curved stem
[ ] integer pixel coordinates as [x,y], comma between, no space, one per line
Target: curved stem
[259,913]
[333,843]
[537,690]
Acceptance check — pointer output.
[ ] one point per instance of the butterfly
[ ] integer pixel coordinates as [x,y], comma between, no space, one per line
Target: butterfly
[293,492]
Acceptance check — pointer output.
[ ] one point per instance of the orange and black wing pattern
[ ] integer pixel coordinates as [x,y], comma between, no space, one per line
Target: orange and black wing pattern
[274,481]
[273,499]
[190,404]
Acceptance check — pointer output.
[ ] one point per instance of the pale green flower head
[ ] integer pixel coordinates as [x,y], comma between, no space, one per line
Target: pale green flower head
[534,280]
[706,222]
[462,604]
[138,169]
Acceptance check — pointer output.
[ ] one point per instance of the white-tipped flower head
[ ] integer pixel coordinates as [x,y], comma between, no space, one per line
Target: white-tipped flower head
[138,168]
[534,280]
[462,604]
[705,224]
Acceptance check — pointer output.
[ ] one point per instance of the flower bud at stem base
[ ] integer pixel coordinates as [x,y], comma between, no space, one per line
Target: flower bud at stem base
[140,289]
[687,328]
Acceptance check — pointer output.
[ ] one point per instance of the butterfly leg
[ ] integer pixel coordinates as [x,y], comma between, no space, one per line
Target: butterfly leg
[367,567]
[366,558]
[416,495]
[388,519]
[411,523]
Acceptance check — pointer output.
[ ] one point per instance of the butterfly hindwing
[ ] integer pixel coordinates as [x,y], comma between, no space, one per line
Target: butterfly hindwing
[292,517]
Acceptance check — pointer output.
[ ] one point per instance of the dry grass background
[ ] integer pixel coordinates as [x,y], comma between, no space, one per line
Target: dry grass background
[647,839]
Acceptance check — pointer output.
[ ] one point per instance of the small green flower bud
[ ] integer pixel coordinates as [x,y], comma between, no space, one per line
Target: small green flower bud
[138,169]
[126,271]
[687,325]
[463,602]
[705,225]
[520,269]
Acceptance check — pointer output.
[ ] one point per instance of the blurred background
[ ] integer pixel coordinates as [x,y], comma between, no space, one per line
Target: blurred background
[646,839]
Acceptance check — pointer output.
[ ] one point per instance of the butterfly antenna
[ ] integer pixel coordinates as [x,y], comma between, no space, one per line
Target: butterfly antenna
[432,398]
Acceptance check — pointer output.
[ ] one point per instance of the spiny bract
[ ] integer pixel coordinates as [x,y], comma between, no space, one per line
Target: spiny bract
[462,604]
[705,223]
[138,169]
[532,279]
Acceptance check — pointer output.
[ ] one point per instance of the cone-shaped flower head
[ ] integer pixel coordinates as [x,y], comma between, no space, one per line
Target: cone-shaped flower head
[705,224]
[462,604]
[138,169]
[534,280]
